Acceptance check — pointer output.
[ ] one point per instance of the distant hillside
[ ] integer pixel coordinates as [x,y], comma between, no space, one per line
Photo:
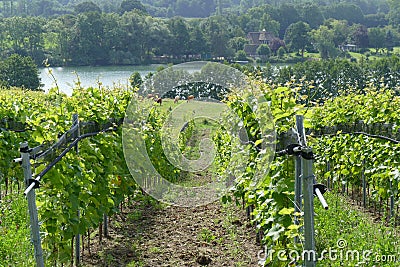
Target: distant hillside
[171,8]
[125,32]
[204,8]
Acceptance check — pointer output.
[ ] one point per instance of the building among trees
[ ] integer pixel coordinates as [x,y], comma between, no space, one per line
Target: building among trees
[349,47]
[255,40]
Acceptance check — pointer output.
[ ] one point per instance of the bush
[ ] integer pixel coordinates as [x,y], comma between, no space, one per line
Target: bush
[241,55]
[18,71]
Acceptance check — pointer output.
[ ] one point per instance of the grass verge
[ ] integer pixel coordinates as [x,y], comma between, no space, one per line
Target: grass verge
[347,236]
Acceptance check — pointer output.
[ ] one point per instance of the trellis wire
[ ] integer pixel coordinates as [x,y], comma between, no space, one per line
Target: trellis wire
[68,140]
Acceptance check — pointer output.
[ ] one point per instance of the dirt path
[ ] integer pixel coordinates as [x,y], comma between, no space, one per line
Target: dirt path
[149,234]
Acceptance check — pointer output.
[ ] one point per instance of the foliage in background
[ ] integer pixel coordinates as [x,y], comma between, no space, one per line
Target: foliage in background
[348,154]
[21,72]
[14,229]
[325,79]
[272,197]
[94,181]
[362,241]
[130,32]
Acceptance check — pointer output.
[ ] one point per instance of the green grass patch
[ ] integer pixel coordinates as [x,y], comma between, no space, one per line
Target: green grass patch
[190,124]
[15,246]
[349,237]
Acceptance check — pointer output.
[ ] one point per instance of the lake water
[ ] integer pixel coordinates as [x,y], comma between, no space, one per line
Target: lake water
[67,77]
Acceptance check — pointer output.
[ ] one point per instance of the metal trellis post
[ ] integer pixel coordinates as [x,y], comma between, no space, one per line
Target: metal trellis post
[31,197]
[76,134]
[308,181]
[308,196]
[297,193]
[364,184]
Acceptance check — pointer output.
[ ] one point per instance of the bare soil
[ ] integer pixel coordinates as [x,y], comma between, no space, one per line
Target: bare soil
[147,233]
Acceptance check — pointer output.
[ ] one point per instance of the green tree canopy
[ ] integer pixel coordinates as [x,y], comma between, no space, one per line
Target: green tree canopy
[359,35]
[241,55]
[297,36]
[19,71]
[281,52]
[376,38]
[237,43]
[217,32]
[130,5]
[394,13]
[312,15]
[345,11]
[136,80]
[269,24]
[323,40]
[264,51]
[179,43]
[88,6]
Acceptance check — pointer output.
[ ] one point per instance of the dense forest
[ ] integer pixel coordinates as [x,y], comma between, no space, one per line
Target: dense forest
[132,32]
[184,8]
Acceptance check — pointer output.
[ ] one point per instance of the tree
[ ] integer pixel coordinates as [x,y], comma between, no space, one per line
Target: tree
[136,80]
[157,37]
[359,35]
[312,15]
[297,36]
[24,36]
[88,6]
[281,52]
[323,39]
[198,43]
[237,43]
[130,5]
[19,71]
[241,55]
[217,31]
[269,24]
[179,41]
[376,20]
[389,40]
[114,40]
[46,8]
[134,41]
[275,44]
[340,31]
[394,13]
[376,38]
[264,51]
[193,8]
[287,15]
[345,11]
[86,42]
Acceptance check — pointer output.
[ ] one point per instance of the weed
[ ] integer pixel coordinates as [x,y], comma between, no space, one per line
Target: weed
[206,235]
[155,250]
[135,264]
[136,215]
[355,232]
